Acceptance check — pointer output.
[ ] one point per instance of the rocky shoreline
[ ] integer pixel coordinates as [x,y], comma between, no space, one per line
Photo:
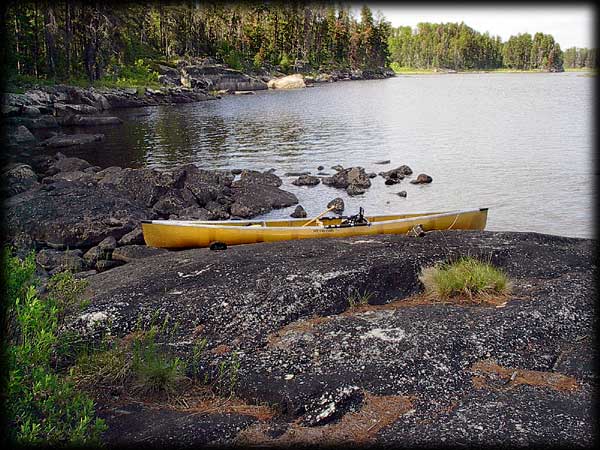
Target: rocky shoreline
[313,367]
[55,108]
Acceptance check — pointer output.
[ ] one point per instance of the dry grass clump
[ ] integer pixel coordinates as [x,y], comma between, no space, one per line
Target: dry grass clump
[466,277]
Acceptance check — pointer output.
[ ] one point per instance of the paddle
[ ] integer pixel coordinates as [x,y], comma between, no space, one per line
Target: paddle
[319,216]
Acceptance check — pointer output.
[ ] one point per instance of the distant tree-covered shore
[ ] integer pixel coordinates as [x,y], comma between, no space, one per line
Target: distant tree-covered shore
[71,40]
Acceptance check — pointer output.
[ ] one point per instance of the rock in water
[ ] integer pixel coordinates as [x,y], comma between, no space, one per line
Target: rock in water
[422,178]
[338,205]
[299,212]
[306,180]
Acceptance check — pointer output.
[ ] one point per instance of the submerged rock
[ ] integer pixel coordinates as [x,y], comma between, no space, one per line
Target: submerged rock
[64,140]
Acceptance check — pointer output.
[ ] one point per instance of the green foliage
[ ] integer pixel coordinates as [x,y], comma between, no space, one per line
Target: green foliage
[43,405]
[466,276]
[284,63]
[154,369]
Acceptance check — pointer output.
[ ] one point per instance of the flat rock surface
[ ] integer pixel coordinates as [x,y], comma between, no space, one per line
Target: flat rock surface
[400,371]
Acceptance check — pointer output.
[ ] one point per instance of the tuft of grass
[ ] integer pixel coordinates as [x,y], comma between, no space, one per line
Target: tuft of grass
[468,277]
[358,298]
[138,361]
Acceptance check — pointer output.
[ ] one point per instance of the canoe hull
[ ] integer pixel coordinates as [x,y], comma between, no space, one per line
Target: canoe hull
[190,234]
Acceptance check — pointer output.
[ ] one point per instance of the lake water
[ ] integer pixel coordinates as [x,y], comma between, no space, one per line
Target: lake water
[519,144]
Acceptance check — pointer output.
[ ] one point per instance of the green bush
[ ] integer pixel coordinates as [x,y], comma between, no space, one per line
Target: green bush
[44,406]
[466,276]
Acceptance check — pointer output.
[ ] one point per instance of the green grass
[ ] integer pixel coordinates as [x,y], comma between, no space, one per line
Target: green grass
[357,298]
[466,276]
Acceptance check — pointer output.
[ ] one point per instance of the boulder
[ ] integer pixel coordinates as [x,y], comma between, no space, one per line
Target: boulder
[61,260]
[397,173]
[294,81]
[299,212]
[250,177]
[72,213]
[401,194]
[422,178]
[306,180]
[353,190]
[352,176]
[20,135]
[65,110]
[69,164]
[19,178]
[338,205]
[252,200]
[135,236]
[392,181]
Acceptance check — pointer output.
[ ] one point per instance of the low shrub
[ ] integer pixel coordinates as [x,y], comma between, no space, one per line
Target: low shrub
[466,276]
[43,404]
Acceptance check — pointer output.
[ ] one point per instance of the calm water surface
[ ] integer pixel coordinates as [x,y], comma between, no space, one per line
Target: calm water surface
[520,144]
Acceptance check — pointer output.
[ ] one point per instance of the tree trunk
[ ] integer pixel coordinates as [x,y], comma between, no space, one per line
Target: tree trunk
[49,33]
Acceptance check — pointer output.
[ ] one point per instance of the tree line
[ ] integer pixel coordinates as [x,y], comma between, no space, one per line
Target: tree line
[459,47]
[580,58]
[68,38]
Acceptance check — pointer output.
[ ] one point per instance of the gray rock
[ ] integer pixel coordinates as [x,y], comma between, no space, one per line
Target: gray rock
[422,178]
[392,181]
[299,212]
[283,307]
[72,214]
[135,236]
[254,177]
[401,194]
[353,189]
[108,244]
[62,260]
[21,135]
[338,205]
[352,176]
[306,180]
[64,164]
[385,161]
[397,173]
[19,178]
[216,77]
[106,264]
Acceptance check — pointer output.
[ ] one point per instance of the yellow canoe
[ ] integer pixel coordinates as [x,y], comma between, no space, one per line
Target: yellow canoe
[197,233]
